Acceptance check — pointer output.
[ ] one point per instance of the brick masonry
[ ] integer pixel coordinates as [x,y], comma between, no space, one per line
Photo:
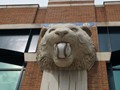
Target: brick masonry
[113,12]
[32,77]
[40,18]
[97,76]
[70,14]
[100,14]
[69,2]
[17,15]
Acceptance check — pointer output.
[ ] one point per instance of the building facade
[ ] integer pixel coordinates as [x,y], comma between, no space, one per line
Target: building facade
[28,20]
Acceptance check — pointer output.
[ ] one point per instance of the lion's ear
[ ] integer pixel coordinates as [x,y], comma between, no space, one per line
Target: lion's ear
[87,30]
[43,31]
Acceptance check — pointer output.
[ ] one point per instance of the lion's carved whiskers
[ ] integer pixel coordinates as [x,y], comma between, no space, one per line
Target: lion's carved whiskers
[66,47]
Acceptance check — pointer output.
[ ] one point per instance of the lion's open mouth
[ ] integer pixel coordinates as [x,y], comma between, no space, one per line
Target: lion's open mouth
[62,50]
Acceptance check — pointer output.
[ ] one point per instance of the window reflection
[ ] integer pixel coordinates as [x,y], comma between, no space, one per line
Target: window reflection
[103,39]
[109,39]
[8,80]
[113,76]
[13,44]
[20,40]
[5,65]
[116,74]
[10,76]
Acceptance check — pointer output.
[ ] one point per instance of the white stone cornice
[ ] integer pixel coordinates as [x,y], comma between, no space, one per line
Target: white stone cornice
[117,23]
[20,6]
[61,5]
[67,0]
[111,2]
[19,26]
[101,56]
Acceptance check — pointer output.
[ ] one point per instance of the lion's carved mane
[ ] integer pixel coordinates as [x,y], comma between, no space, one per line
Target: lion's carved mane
[81,51]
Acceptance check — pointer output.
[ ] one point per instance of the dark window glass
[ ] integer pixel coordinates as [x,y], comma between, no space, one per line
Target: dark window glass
[15,40]
[23,40]
[10,76]
[109,38]
[103,39]
[116,67]
[9,79]
[115,38]
[13,44]
[11,66]
[34,40]
[116,74]
[113,76]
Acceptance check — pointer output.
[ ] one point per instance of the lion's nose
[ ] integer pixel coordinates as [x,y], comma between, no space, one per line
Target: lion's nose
[61,33]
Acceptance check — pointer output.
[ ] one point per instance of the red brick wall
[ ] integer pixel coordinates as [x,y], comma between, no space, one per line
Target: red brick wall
[68,14]
[17,15]
[108,13]
[113,12]
[40,18]
[32,77]
[94,36]
[97,77]
[100,14]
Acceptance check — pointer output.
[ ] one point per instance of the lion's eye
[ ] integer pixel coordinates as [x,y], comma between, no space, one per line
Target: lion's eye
[74,29]
[51,30]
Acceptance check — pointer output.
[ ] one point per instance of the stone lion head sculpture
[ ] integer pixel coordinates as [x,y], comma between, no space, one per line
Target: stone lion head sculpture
[66,47]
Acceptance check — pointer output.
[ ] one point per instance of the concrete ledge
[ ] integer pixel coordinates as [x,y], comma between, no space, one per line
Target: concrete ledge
[108,23]
[30,56]
[25,26]
[20,6]
[101,56]
[19,26]
[67,0]
[111,2]
[61,5]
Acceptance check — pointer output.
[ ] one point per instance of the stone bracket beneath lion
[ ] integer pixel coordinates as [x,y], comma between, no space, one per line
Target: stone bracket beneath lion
[64,80]
[101,56]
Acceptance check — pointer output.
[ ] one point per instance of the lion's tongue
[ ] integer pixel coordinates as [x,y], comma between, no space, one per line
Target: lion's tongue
[62,50]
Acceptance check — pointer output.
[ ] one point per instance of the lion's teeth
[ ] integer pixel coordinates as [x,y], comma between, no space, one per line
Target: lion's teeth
[68,50]
[62,50]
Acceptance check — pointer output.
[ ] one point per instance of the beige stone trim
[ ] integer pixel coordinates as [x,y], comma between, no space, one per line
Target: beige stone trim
[19,26]
[3,7]
[108,23]
[99,5]
[61,5]
[58,5]
[101,56]
[20,6]
[30,56]
[67,0]
[111,2]
[43,7]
